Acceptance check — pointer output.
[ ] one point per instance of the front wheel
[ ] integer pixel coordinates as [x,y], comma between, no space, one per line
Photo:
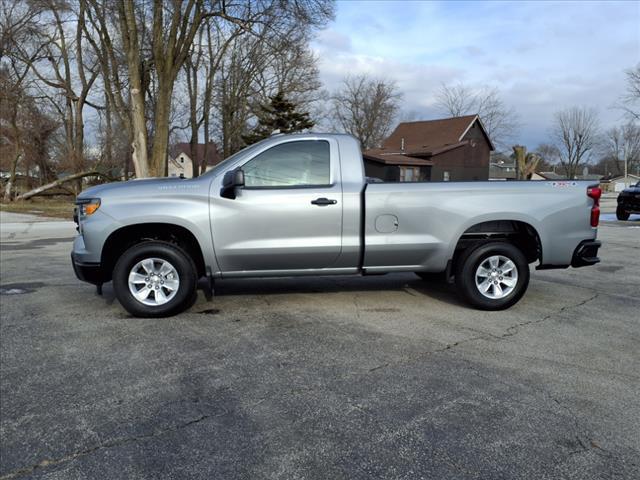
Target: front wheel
[621,214]
[493,276]
[155,279]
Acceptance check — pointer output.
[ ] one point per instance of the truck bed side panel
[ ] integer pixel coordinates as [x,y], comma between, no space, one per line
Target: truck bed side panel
[431,217]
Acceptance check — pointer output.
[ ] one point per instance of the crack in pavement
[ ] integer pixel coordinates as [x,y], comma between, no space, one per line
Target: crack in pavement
[509,332]
[582,431]
[512,330]
[113,443]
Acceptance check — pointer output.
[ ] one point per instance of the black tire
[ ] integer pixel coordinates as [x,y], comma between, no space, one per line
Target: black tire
[187,275]
[468,264]
[621,214]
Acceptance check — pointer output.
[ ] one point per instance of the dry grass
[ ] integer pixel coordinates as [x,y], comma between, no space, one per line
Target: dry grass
[59,207]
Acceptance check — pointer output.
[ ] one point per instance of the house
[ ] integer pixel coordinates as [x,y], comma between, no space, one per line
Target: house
[502,167]
[618,183]
[434,150]
[547,176]
[560,176]
[181,159]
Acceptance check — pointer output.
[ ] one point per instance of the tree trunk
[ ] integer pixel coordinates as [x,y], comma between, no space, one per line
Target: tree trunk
[61,181]
[193,110]
[12,176]
[78,142]
[108,143]
[129,29]
[161,129]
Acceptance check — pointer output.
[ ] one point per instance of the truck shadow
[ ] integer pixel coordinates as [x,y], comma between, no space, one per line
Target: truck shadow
[393,282]
[403,282]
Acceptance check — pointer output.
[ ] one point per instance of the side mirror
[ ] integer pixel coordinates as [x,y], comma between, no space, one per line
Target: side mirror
[231,180]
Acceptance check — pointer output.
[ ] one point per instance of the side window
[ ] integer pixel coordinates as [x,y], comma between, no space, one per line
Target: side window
[291,164]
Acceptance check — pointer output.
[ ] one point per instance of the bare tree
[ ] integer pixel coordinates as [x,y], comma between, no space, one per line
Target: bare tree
[575,132]
[63,72]
[549,156]
[123,59]
[526,163]
[201,68]
[174,27]
[621,145]
[630,100]
[500,121]
[25,129]
[366,108]
[102,21]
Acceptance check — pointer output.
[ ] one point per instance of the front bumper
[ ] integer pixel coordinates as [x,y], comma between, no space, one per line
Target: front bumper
[87,272]
[629,204]
[586,253]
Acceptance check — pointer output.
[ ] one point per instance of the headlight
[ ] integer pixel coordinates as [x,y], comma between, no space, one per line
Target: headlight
[87,206]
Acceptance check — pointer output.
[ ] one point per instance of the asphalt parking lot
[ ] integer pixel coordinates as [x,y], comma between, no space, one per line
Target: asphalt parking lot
[377,377]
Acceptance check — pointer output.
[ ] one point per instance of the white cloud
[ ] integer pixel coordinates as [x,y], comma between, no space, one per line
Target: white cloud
[542,56]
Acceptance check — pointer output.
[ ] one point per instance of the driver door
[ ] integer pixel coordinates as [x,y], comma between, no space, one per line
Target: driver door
[288,214]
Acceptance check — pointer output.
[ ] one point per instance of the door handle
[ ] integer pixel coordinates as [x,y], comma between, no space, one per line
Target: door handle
[323,201]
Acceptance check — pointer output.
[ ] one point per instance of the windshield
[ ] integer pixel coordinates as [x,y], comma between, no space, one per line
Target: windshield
[227,161]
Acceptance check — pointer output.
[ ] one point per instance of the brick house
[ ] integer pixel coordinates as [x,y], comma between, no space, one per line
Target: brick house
[449,149]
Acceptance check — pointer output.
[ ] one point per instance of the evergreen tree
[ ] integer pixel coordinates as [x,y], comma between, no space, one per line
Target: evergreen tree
[278,114]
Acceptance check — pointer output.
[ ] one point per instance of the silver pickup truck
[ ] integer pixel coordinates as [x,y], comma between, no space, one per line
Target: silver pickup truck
[296,205]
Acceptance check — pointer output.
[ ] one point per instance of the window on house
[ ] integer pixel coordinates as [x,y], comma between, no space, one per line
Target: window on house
[446,176]
[409,174]
[303,163]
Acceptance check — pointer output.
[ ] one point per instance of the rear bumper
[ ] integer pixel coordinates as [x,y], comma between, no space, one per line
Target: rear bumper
[87,272]
[586,254]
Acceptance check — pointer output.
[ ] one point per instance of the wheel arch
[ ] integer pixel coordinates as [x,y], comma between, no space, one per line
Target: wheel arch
[521,234]
[125,237]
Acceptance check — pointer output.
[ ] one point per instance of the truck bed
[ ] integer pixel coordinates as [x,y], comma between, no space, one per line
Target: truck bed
[426,219]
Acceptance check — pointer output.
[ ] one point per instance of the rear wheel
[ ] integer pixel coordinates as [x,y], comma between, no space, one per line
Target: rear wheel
[493,276]
[621,214]
[155,279]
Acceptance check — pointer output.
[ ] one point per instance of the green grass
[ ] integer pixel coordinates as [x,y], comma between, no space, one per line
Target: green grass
[58,207]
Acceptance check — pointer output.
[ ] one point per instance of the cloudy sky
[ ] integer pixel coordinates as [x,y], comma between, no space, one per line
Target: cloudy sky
[542,56]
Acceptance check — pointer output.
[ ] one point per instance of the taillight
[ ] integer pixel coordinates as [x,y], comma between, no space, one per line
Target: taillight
[595,193]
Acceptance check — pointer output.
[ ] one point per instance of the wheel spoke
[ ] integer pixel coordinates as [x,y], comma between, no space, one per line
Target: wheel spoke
[137,278]
[494,261]
[165,269]
[508,266]
[160,296]
[509,282]
[148,266]
[497,290]
[171,284]
[483,272]
[143,293]
[484,286]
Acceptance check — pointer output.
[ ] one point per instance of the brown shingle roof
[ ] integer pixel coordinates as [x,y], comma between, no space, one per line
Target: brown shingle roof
[431,134]
[408,157]
[213,157]
[394,158]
